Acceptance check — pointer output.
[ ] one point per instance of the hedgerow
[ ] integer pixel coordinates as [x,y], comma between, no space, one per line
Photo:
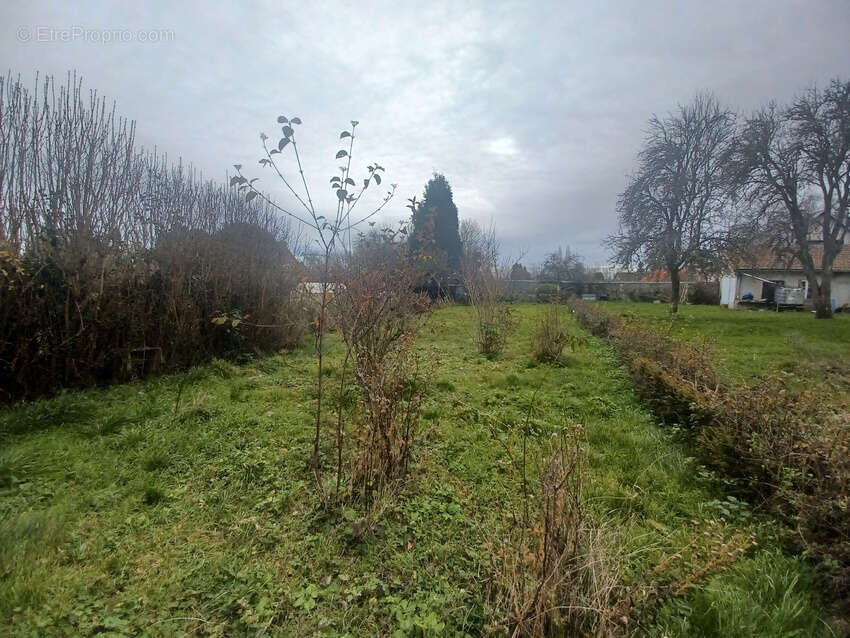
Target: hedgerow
[788,447]
[115,263]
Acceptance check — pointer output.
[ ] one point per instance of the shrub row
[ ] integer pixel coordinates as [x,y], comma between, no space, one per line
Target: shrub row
[115,263]
[789,448]
[78,314]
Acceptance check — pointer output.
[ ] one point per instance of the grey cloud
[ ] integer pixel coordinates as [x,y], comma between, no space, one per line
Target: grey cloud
[534,111]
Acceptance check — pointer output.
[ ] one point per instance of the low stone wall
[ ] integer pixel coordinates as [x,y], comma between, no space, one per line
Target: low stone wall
[697,291]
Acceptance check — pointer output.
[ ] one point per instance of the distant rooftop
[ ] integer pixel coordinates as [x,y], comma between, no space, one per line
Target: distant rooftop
[769,260]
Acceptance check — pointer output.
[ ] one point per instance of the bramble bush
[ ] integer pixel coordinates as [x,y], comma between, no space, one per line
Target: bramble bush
[551,336]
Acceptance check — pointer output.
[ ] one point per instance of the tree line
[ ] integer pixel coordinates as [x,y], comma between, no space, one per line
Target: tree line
[711,185]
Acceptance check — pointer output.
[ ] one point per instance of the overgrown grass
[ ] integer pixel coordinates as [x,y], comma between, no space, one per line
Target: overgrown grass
[126,511]
[749,343]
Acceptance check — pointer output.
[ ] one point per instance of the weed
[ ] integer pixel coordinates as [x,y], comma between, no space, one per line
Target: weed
[239,391]
[198,412]
[152,495]
[511,381]
[445,386]
[114,423]
[131,438]
[155,461]
[218,368]
[64,410]
[15,467]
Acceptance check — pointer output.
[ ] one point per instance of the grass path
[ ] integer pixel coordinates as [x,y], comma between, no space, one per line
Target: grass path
[122,513]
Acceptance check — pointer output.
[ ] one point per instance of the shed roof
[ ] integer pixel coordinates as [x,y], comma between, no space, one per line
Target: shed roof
[767,259]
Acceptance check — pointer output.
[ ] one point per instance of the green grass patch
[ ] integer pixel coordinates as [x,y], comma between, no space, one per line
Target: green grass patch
[126,511]
[749,343]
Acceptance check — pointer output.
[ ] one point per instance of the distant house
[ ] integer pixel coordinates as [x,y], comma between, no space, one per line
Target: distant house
[758,278]
[626,275]
[657,276]
[309,293]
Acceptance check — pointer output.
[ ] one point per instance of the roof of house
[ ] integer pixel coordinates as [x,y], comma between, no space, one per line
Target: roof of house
[769,260]
[658,276]
[626,275]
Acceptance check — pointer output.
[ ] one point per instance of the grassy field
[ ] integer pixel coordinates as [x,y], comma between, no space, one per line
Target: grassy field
[750,343]
[124,512]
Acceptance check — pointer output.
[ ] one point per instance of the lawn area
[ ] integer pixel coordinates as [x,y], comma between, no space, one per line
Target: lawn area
[123,512]
[749,343]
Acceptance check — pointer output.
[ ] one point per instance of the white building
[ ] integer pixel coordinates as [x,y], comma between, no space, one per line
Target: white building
[763,275]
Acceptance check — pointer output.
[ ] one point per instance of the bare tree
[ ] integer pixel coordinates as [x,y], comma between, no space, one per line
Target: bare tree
[794,164]
[562,265]
[485,279]
[674,213]
[332,231]
[474,246]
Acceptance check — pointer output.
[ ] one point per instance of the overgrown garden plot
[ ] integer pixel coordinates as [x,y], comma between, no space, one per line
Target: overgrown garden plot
[125,511]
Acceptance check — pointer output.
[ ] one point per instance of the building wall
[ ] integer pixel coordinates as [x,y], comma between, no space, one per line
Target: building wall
[728,291]
[793,279]
[841,289]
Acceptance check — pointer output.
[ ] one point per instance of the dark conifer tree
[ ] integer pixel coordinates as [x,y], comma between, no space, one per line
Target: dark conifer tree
[435,225]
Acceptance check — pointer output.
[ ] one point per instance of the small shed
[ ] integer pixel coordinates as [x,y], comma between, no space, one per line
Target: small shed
[765,275]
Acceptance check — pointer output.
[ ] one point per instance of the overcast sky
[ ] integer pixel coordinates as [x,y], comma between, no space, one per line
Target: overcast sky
[533,110]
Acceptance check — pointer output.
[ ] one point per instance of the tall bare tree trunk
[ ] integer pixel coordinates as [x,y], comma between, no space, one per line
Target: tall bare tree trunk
[675,285]
[822,294]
